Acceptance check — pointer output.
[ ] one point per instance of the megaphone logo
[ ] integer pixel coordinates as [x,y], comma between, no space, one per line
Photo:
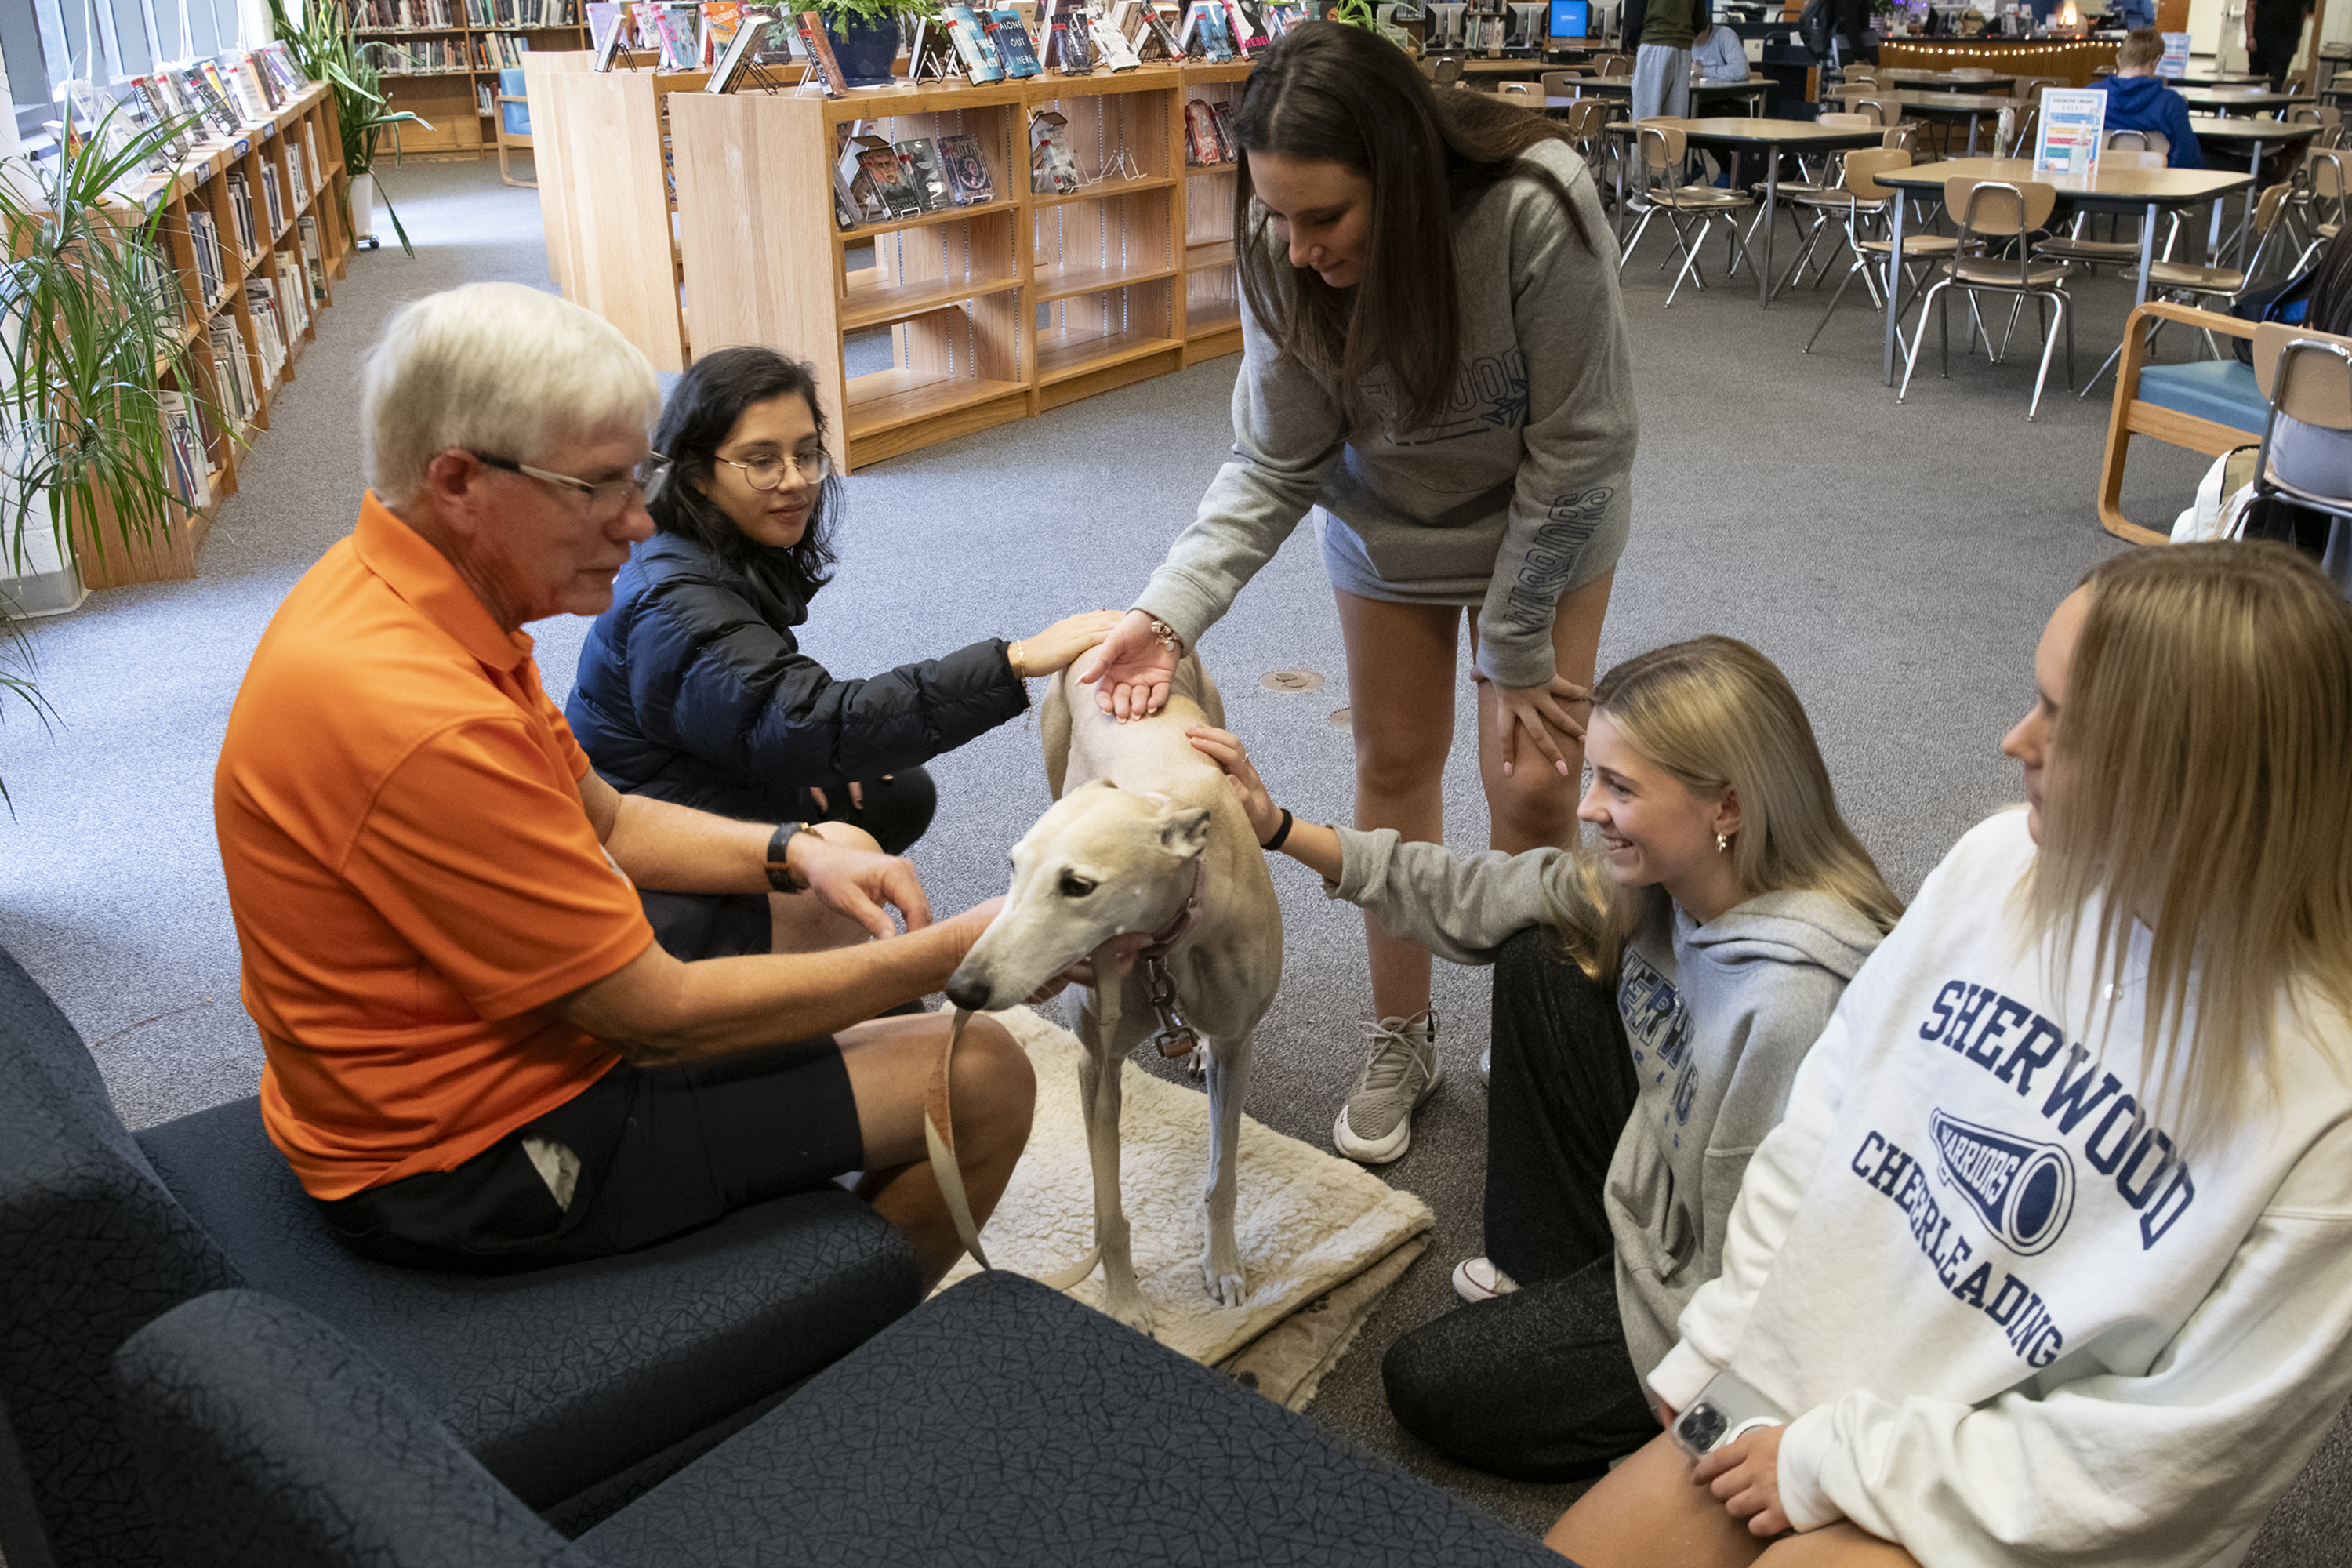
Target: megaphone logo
[2024,1190]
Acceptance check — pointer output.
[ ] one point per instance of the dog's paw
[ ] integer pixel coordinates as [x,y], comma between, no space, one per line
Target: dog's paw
[1227,1283]
[1196,1064]
[1129,1308]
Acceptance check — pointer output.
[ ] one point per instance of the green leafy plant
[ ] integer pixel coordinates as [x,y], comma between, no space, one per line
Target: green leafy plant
[1361,14]
[91,326]
[323,50]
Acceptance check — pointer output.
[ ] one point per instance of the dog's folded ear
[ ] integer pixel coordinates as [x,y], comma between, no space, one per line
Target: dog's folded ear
[1185,833]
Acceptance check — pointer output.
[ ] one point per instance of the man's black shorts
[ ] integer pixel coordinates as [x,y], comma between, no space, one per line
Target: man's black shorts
[645,1152]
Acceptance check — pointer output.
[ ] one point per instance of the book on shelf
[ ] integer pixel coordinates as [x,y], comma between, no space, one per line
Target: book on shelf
[1053,165]
[1159,40]
[293,301]
[1204,144]
[821,57]
[489,14]
[278,61]
[604,20]
[310,155]
[776,44]
[261,307]
[191,475]
[246,98]
[273,205]
[731,67]
[1111,45]
[240,209]
[1248,33]
[918,159]
[721,20]
[199,93]
[1221,116]
[967,170]
[314,257]
[1010,33]
[848,212]
[1068,44]
[899,197]
[931,57]
[975,45]
[499,51]
[163,286]
[204,243]
[147,111]
[233,387]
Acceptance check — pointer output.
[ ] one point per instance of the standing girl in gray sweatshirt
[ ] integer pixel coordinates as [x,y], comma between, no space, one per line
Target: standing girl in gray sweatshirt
[1653,996]
[1434,363]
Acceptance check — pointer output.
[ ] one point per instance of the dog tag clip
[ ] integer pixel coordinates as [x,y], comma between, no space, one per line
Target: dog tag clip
[1176,1039]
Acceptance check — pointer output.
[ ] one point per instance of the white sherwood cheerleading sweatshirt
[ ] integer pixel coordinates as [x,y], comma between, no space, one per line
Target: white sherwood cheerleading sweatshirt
[2013,1316]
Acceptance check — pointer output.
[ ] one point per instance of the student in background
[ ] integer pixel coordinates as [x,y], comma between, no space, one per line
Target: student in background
[2046,1262]
[2137,99]
[1717,53]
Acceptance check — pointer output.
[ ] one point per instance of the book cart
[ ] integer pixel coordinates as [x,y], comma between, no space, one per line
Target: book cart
[995,312]
[299,247]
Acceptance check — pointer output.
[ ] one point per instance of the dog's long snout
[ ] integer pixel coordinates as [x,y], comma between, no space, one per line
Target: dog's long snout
[968,993]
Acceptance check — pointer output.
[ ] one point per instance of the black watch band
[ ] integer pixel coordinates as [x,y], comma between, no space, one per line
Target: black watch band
[779,878]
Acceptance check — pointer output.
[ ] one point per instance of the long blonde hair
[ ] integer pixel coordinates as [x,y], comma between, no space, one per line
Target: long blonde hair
[2198,775]
[1715,714]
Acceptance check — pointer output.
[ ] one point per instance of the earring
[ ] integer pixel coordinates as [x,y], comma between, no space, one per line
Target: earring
[1722,844]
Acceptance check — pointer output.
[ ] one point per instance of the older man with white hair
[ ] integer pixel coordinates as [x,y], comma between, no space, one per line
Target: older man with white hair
[477,1055]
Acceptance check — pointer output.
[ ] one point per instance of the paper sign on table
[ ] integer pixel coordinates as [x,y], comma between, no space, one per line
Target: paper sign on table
[2175,64]
[2072,123]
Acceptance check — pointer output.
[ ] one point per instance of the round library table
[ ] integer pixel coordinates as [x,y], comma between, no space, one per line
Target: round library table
[2110,189]
[1749,135]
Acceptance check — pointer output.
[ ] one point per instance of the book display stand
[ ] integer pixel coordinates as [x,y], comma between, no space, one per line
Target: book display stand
[252,239]
[998,311]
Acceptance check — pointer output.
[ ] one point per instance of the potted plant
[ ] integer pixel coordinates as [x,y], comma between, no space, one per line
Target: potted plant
[91,330]
[322,48]
[866,36]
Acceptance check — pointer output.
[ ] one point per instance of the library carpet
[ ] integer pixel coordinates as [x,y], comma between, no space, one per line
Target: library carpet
[1898,562]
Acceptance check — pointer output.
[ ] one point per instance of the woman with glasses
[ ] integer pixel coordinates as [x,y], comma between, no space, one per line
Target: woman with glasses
[692,688]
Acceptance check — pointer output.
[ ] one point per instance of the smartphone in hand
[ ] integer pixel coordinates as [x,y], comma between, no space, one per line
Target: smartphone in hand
[1724,1409]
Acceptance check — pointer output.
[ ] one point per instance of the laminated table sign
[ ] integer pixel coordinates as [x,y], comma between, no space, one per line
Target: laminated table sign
[2073,121]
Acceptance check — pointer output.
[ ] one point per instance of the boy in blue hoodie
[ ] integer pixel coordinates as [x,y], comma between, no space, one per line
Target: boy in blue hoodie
[2137,100]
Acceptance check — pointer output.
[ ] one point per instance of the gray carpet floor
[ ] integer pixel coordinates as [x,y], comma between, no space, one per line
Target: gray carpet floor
[1898,561]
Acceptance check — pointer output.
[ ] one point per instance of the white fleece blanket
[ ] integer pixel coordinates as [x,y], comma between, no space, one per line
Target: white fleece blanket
[1307,1220]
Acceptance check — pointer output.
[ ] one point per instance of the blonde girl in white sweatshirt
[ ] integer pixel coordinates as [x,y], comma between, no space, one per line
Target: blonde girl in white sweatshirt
[2051,1258]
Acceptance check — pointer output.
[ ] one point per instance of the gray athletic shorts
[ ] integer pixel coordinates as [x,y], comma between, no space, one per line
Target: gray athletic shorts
[1444,573]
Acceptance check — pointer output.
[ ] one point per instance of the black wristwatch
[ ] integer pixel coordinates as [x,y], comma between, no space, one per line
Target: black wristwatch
[779,878]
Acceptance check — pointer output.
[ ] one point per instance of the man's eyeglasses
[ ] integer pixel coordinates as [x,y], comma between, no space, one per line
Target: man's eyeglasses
[767,473]
[606,500]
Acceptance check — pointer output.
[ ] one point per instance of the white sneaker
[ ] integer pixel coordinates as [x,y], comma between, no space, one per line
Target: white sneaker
[1376,1124]
[1477,1280]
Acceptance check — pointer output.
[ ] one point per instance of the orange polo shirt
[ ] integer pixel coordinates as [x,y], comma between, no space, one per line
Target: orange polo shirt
[411,870]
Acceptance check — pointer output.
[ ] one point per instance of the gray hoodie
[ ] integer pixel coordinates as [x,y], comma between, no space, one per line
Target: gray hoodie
[1520,494]
[1717,1017]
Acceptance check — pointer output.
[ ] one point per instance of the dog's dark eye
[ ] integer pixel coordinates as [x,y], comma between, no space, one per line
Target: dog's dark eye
[1075,886]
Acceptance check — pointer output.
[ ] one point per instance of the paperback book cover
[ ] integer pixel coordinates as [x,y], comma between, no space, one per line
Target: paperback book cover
[221,90]
[821,57]
[774,46]
[890,182]
[1202,145]
[1117,53]
[730,66]
[1162,37]
[1011,37]
[918,160]
[1221,118]
[1053,167]
[720,21]
[967,170]
[245,82]
[200,93]
[973,42]
[606,18]
[1066,48]
[845,209]
[1249,37]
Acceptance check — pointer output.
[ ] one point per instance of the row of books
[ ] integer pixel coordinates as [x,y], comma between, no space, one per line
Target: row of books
[240,212]
[233,391]
[314,258]
[212,262]
[878,181]
[418,56]
[1208,133]
[499,51]
[522,13]
[402,15]
[686,36]
[191,469]
[195,100]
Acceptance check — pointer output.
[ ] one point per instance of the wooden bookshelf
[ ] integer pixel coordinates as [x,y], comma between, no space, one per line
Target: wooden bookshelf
[201,184]
[994,312]
[450,100]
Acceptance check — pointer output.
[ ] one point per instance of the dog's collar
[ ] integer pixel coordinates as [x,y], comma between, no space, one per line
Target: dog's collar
[1168,936]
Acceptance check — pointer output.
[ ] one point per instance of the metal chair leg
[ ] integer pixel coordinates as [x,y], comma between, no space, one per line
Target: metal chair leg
[1912,363]
[2035,406]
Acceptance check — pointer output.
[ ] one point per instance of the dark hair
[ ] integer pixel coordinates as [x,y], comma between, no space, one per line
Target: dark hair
[1326,89]
[702,409]
[2330,309]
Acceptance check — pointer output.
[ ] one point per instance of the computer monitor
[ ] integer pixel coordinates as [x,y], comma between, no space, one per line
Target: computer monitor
[1446,33]
[1572,18]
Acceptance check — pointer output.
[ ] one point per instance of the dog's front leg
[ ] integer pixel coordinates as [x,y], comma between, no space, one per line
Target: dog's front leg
[1221,1264]
[1106,1033]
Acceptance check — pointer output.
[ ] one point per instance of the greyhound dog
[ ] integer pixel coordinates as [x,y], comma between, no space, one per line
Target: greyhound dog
[1148,844]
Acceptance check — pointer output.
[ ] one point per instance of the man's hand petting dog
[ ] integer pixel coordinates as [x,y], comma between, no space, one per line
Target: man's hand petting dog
[857,881]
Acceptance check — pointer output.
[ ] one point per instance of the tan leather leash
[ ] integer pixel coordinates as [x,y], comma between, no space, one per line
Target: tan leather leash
[939,1126]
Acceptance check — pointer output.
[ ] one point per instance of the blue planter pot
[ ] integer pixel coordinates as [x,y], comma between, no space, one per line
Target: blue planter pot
[865,50]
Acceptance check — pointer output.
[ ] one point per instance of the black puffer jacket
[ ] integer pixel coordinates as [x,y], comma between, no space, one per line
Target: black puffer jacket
[692,689]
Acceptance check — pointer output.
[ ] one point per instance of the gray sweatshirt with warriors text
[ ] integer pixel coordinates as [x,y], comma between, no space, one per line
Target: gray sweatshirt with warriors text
[1520,493]
[1717,1017]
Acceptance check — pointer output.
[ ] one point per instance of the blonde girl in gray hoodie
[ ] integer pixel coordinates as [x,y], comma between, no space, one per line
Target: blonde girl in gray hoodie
[1655,992]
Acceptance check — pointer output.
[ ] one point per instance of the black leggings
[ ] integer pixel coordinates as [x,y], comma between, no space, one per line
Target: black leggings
[1537,1385]
[725,925]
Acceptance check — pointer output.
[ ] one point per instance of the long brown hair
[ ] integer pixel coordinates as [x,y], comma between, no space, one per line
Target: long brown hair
[1330,90]
[1717,715]
[2196,782]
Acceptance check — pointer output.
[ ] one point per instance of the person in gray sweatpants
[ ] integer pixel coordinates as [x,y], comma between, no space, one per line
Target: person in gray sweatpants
[1662,67]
